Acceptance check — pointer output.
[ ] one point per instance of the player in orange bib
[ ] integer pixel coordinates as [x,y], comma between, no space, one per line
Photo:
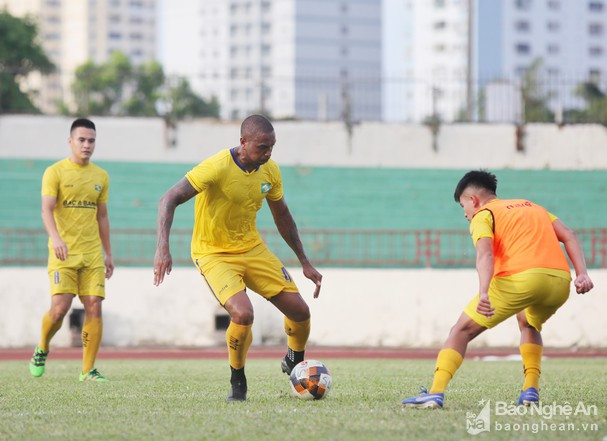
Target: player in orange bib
[230,188]
[522,271]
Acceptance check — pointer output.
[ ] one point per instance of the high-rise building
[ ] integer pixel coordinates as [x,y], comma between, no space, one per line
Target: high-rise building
[72,32]
[568,38]
[430,69]
[308,59]
[425,61]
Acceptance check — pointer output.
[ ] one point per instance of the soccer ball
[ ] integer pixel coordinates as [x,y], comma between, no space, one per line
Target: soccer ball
[310,380]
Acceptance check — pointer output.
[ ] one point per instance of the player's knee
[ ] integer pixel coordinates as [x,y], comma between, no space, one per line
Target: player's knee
[58,313]
[243,316]
[302,314]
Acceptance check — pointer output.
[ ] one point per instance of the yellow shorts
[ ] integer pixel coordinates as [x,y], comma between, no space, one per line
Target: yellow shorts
[538,291]
[257,269]
[80,274]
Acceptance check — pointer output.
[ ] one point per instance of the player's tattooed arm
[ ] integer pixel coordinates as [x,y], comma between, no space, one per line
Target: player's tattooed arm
[288,230]
[287,227]
[179,193]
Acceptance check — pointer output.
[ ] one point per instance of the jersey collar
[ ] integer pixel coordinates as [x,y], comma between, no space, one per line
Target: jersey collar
[239,164]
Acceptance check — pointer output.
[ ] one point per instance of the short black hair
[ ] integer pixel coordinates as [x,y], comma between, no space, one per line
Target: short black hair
[476,178]
[83,122]
[255,123]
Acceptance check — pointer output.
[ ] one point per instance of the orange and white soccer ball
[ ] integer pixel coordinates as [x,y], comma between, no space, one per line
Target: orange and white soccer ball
[310,380]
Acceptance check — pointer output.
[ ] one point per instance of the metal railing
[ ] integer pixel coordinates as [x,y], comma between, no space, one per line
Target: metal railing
[336,248]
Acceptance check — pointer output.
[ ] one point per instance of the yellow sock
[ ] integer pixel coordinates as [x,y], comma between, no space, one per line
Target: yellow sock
[238,338]
[447,362]
[92,330]
[532,359]
[49,329]
[297,334]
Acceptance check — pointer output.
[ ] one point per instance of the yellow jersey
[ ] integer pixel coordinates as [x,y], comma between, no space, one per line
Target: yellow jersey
[78,189]
[226,206]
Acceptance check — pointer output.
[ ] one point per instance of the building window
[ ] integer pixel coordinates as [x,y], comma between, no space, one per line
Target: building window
[555,5]
[594,75]
[522,26]
[115,36]
[344,30]
[595,51]
[522,4]
[595,29]
[440,25]
[595,6]
[115,18]
[553,49]
[52,36]
[553,26]
[523,48]
[553,72]
[520,71]
[439,3]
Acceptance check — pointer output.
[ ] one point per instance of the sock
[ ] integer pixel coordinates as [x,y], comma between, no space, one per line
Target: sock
[297,334]
[532,359]
[447,362]
[49,329]
[238,338]
[92,330]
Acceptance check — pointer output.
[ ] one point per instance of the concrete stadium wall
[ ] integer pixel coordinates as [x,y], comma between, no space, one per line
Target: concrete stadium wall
[362,307]
[319,144]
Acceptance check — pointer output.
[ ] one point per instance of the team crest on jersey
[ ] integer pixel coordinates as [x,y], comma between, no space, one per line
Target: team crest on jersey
[265,187]
[97,187]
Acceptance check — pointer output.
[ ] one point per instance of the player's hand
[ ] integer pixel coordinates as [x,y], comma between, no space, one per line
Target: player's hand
[311,273]
[60,249]
[109,266]
[163,263]
[484,306]
[583,284]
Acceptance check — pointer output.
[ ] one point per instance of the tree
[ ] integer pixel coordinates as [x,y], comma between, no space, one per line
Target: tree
[118,88]
[148,80]
[20,55]
[535,100]
[182,102]
[99,89]
[596,105]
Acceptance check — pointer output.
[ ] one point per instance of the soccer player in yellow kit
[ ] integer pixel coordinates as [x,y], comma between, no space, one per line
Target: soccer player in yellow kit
[230,188]
[522,271]
[75,216]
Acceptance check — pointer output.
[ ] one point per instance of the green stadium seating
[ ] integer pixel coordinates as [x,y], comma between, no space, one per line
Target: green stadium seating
[319,198]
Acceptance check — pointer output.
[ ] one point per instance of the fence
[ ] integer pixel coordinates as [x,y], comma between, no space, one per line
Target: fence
[336,248]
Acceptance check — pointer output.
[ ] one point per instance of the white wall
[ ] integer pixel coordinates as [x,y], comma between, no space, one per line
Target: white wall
[461,146]
[362,307]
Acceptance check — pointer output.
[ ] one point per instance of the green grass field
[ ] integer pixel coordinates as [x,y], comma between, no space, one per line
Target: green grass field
[185,400]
